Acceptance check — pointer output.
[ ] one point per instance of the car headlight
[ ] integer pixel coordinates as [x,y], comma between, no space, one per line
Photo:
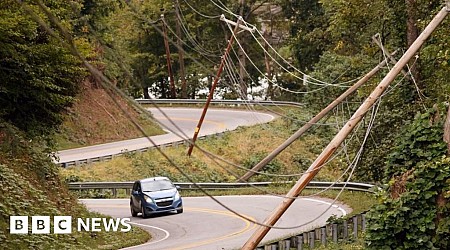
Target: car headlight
[177,196]
[148,199]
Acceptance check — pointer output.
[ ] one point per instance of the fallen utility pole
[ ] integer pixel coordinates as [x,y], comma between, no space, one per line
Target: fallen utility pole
[311,122]
[276,214]
[216,80]
[386,52]
[173,94]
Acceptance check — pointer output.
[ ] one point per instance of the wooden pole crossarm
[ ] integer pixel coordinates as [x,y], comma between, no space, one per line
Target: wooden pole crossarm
[237,24]
[386,52]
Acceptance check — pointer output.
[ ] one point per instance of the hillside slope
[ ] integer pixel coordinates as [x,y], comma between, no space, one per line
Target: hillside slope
[31,187]
[95,118]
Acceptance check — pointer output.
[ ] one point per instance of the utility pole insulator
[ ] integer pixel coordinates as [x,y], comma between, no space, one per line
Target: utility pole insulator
[223,18]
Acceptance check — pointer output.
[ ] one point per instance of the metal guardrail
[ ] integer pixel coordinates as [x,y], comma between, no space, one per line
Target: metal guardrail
[114,186]
[179,142]
[346,229]
[219,102]
[109,157]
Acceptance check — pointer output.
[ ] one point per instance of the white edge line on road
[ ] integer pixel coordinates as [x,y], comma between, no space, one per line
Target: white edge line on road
[344,213]
[151,242]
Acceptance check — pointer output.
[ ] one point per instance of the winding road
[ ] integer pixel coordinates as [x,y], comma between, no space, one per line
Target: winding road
[186,119]
[205,224]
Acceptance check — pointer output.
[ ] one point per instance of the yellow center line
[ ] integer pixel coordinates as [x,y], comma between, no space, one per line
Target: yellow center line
[219,124]
[248,225]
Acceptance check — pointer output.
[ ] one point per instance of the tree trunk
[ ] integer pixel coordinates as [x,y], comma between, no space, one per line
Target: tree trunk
[447,131]
[163,88]
[180,52]
[146,95]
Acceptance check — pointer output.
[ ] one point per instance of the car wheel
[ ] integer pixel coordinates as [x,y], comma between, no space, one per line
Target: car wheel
[144,214]
[133,213]
[179,211]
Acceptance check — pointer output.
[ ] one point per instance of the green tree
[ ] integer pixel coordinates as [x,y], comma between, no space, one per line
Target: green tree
[38,77]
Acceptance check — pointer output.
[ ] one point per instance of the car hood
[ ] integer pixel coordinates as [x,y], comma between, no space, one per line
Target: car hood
[162,193]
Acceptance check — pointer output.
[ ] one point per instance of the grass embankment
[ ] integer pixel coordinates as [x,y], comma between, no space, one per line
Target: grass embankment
[95,118]
[31,187]
[243,147]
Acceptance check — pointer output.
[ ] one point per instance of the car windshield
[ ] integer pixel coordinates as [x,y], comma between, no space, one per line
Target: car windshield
[158,185]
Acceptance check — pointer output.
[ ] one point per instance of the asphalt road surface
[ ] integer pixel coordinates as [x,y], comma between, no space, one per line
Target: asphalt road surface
[186,119]
[207,225]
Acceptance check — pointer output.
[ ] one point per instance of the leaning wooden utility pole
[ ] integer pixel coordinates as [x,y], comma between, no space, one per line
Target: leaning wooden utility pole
[310,123]
[173,94]
[216,80]
[261,231]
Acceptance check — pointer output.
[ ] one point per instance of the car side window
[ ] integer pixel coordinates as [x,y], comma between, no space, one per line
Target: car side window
[138,187]
[135,186]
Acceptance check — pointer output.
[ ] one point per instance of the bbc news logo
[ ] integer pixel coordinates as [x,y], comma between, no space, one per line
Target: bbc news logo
[63,224]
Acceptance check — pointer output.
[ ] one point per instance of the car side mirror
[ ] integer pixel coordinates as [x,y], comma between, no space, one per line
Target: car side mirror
[134,192]
[178,187]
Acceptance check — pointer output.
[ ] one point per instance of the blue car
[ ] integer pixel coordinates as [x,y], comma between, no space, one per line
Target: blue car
[155,195]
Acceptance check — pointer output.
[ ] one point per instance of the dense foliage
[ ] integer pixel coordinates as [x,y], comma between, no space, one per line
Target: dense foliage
[31,186]
[414,212]
[414,219]
[38,77]
[39,80]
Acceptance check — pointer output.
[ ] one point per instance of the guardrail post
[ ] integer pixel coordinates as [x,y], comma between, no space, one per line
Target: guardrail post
[355,227]
[300,242]
[312,238]
[334,232]
[345,224]
[280,245]
[287,244]
[363,222]
[323,235]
